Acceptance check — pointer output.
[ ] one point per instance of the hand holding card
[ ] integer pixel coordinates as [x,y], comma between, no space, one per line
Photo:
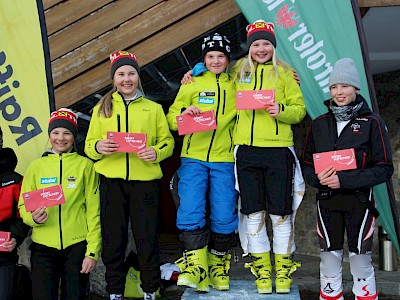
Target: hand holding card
[254,99]
[339,159]
[46,197]
[190,124]
[4,237]
[127,141]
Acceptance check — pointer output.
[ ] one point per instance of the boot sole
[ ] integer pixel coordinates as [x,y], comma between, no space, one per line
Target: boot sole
[186,283]
[220,287]
[264,291]
[282,291]
[191,285]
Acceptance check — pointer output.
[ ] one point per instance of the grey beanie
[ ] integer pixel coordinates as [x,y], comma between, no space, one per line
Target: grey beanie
[345,72]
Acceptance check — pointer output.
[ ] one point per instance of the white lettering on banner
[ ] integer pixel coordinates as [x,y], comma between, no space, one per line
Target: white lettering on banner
[304,43]
[275,3]
[10,108]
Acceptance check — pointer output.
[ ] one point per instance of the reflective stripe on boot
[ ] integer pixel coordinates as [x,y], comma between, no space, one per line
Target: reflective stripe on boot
[195,273]
[218,267]
[284,267]
[261,268]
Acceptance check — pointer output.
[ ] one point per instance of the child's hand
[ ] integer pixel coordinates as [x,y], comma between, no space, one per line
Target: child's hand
[329,178]
[11,244]
[192,110]
[88,265]
[273,110]
[187,78]
[107,146]
[40,215]
[148,154]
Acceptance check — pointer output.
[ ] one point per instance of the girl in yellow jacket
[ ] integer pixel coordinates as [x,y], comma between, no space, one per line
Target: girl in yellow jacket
[66,239]
[129,182]
[207,169]
[265,164]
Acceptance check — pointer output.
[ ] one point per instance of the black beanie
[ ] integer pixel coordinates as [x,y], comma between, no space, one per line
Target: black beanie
[122,58]
[216,42]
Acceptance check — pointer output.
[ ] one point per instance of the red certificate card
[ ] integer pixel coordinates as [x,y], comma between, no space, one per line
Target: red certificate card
[339,159]
[46,197]
[190,124]
[254,99]
[4,237]
[128,142]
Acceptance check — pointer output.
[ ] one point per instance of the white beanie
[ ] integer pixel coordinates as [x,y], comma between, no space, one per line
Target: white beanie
[345,72]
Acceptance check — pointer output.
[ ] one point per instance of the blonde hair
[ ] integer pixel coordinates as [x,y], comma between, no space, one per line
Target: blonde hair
[105,102]
[247,67]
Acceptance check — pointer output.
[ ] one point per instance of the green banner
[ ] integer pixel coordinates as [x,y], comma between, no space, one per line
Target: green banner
[311,36]
[26,90]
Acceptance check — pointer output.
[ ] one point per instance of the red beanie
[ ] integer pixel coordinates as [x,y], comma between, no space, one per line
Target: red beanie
[260,30]
[122,58]
[64,118]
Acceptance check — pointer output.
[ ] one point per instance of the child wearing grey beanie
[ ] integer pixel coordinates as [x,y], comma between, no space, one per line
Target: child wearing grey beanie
[345,72]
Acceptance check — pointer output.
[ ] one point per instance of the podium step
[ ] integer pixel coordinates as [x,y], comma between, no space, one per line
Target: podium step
[240,289]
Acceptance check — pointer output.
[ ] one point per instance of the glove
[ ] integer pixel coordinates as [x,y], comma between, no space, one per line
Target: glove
[167,270]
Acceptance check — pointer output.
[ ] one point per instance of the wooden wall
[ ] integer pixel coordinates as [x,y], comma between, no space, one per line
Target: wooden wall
[82,34]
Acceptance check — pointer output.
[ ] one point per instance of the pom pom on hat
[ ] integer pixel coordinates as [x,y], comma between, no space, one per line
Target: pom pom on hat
[260,30]
[216,42]
[345,72]
[64,118]
[122,58]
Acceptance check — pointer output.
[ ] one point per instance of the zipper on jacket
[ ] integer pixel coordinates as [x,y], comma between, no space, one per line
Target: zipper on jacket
[59,207]
[336,130]
[216,117]
[224,105]
[211,142]
[254,112]
[118,123]
[334,124]
[262,79]
[188,143]
[231,138]
[252,128]
[255,77]
[126,130]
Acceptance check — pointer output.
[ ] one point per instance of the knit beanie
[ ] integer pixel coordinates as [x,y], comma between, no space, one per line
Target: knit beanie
[122,58]
[64,118]
[345,72]
[260,30]
[216,42]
